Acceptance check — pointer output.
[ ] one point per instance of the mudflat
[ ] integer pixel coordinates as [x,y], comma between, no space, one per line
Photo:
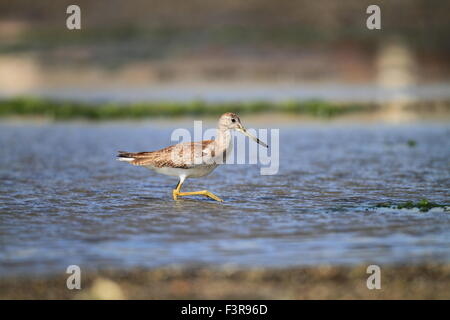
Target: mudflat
[423,281]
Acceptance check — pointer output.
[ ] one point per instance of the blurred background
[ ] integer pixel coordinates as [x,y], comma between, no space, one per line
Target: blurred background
[235,50]
[371,186]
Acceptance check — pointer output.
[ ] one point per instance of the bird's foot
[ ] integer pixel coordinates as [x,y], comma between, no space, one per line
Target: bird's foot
[206,193]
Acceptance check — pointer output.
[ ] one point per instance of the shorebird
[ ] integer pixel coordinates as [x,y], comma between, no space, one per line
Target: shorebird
[191,159]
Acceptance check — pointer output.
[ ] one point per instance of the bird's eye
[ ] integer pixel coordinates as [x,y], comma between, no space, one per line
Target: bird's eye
[233,120]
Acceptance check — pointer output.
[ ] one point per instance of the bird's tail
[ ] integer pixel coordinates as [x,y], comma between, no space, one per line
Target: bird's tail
[125,156]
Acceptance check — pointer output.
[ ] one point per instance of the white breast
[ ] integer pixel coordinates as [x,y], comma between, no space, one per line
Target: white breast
[195,172]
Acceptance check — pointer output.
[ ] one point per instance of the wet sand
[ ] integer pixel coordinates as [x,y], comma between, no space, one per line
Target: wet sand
[323,282]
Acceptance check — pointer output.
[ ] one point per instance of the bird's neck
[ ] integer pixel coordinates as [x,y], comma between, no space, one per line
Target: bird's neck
[223,140]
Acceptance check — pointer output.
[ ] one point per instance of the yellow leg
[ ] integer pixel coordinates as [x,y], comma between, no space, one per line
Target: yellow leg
[177,189]
[176,192]
[202,193]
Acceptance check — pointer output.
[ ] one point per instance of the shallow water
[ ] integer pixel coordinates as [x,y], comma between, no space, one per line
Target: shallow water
[65,200]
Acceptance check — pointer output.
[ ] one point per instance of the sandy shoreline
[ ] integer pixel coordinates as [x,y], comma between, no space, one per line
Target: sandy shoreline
[425,281]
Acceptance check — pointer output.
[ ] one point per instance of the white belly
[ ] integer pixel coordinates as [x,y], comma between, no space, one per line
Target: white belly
[196,172]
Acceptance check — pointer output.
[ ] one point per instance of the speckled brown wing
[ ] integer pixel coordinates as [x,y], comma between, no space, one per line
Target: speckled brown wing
[182,155]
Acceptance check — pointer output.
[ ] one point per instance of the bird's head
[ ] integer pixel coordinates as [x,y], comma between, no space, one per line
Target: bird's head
[231,121]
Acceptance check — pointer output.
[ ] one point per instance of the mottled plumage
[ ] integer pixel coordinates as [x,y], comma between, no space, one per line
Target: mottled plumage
[182,155]
[191,159]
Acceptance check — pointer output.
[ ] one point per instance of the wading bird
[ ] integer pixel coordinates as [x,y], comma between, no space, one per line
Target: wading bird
[191,159]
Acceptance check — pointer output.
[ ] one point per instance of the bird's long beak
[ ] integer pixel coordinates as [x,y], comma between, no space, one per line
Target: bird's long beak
[241,129]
